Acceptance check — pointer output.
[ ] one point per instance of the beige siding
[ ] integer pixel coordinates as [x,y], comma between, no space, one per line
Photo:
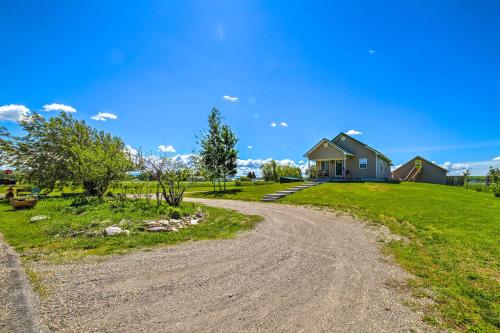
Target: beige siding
[326,153]
[431,173]
[331,170]
[359,151]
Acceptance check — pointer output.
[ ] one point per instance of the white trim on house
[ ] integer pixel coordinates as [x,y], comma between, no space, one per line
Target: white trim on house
[324,162]
[346,153]
[366,163]
[335,168]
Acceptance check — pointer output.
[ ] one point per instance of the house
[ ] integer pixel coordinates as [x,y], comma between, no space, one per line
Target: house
[345,158]
[418,169]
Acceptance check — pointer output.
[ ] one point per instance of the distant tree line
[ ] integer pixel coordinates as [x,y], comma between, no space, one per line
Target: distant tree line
[272,171]
[62,151]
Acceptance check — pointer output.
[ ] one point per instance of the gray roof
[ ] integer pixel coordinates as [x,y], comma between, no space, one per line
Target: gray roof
[364,144]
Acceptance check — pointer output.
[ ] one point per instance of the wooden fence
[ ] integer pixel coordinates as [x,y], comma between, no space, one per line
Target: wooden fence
[455,180]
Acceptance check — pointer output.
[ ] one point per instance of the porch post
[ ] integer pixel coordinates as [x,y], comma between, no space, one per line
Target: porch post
[344,167]
[309,167]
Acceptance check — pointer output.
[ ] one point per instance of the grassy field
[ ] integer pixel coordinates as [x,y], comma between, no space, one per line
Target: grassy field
[453,247]
[251,193]
[143,187]
[77,231]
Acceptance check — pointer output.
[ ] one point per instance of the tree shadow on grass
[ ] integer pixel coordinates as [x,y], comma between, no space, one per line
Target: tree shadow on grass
[218,194]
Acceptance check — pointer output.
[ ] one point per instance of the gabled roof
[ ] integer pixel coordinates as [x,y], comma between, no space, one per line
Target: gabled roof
[330,143]
[423,159]
[364,144]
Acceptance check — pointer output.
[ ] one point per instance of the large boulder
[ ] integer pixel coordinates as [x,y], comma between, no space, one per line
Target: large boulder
[38,218]
[114,230]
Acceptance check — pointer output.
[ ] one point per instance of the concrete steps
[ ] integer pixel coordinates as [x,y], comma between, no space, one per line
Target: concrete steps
[280,194]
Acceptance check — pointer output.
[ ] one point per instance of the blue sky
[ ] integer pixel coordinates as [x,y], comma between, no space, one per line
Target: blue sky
[413,77]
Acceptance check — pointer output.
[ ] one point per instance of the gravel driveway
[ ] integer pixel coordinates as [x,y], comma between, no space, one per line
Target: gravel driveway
[300,270]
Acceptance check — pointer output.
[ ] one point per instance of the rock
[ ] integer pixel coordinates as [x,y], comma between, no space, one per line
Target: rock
[74,233]
[38,218]
[164,222]
[91,233]
[176,221]
[151,224]
[110,231]
[125,222]
[157,229]
[194,221]
[200,214]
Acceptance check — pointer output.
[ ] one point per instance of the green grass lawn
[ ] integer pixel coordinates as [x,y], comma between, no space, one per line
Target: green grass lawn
[453,247]
[55,239]
[144,187]
[251,193]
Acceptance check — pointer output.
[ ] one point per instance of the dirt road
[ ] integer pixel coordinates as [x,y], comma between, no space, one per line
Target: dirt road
[18,302]
[300,270]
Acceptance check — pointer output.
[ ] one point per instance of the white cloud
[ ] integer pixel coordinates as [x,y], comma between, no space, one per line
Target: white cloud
[273,124]
[371,51]
[13,112]
[58,107]
[250,147]
[103,116]
[230,99]
[283,124]
[166,149]
[353,132]
[455,166]
[186,159]
[394,167]
[477,168]
[130,150]
[496,158]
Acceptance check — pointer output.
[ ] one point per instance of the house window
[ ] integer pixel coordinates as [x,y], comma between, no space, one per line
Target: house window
[324,165]
[363,162]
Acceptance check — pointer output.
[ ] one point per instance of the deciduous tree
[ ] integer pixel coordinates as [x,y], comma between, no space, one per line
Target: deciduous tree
[62,151]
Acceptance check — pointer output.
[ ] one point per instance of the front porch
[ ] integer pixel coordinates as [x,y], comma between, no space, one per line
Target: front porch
[331,169]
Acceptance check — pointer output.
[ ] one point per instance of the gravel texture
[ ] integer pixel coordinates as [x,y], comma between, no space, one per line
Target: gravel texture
[18,302]
[300,270]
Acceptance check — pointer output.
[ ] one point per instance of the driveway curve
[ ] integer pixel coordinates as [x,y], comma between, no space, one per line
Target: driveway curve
[300,270]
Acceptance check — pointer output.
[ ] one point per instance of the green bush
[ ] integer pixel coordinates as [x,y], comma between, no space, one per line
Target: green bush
[79,201]
[496,192]
[479,189]
[175,213]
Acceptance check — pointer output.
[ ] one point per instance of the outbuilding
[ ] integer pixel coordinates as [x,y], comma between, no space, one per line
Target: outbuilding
[418,169]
